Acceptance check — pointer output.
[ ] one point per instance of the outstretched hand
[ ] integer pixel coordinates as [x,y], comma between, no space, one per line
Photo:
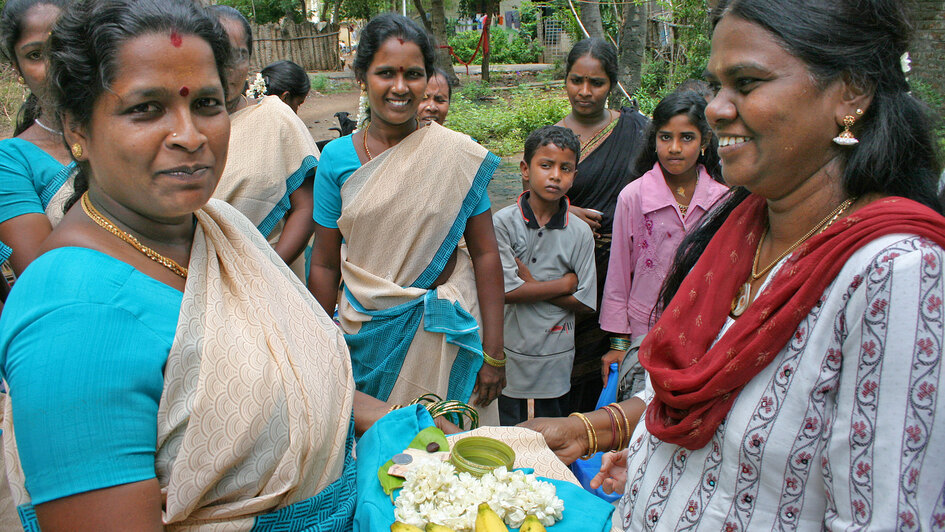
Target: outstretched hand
[612,476]
[564,435]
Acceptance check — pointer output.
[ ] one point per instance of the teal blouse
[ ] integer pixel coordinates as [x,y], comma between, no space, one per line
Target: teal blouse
[83,342]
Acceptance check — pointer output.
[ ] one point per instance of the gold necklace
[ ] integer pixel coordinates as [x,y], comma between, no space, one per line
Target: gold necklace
[742,297]
[107,224]
[364,137]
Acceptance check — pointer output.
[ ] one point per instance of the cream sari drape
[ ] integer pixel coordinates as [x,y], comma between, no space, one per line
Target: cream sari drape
[271,152]
[258,392]
[400,214]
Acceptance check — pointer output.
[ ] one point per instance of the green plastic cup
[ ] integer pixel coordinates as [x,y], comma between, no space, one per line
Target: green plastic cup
[478,455]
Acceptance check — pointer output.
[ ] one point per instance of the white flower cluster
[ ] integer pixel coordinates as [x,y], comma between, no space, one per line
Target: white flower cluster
[434,493]
[257,89]
[363,105]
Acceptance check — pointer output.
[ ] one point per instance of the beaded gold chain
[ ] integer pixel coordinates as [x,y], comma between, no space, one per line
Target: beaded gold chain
[107,224]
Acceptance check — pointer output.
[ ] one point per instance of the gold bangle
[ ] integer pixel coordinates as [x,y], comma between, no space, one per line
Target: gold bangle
[591,435]
[620,344]
[394,407]
[625,420]
[494,362]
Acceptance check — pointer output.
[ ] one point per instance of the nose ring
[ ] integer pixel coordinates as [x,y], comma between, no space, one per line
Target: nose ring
[173,134]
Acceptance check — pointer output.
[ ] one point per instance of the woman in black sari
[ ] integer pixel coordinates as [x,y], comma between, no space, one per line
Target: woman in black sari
[610,141]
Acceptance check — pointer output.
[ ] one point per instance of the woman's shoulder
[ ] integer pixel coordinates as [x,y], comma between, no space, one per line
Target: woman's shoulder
[907,257]
[74,275]
[340,149]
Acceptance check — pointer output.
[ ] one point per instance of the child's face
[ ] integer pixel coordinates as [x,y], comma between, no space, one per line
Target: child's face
[678,144]
[550,173]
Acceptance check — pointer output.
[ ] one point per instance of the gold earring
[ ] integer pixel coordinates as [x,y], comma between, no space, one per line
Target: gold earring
[76,150]
[20,80]
[846,138]
[703,151]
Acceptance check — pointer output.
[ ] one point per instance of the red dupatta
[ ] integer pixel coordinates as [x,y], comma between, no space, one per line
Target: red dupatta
[696,382]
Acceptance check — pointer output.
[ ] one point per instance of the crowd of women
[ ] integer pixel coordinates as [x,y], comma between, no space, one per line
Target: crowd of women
[169,362]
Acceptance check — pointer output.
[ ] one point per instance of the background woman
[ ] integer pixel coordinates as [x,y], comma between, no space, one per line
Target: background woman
[34,164]
[610,142]
[817,407]
[419,256]
[272,158]
[288,81]
[187,378]
[436,98]
[654,213]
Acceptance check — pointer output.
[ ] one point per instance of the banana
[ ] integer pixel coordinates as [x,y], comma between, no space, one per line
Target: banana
[404,527]
[489,521]
[532,524]
[433,527]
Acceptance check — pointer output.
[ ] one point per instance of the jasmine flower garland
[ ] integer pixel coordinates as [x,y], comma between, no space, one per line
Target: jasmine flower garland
[257,89]
[434,493]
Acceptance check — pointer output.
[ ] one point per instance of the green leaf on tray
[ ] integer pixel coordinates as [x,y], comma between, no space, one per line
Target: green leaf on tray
[424,437]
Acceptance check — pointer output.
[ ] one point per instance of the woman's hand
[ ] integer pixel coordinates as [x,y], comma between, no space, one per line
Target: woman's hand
[614,355]
[443,424]
[566,436]
[592,217]
[489,384]
[612,476]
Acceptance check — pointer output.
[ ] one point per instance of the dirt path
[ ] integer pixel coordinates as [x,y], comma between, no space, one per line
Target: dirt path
[318,112]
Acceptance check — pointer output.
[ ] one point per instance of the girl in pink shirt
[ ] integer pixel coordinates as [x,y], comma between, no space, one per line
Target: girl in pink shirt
[681,183]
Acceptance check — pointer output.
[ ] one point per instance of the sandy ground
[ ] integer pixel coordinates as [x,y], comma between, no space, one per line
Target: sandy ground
[319,109]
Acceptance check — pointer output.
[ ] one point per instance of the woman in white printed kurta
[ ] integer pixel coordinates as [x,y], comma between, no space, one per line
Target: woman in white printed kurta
[809,401]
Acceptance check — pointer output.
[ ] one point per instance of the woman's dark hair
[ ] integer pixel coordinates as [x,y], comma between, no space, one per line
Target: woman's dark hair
[437,71]
[85,44]
[599,49]
[386,26]
[232,13]
[561,137]
[286,76]
[11,26]
[689,103]
[859,40]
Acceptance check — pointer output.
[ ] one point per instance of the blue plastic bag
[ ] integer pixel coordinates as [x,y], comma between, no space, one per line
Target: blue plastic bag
[585,470]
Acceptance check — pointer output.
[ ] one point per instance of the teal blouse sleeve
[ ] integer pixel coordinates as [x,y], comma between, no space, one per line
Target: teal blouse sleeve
[83,343]
[18,191]
[338,161]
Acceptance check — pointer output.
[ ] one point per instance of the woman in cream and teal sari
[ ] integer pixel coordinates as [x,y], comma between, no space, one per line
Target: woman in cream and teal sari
[35,166]
[165,368]
[402,216]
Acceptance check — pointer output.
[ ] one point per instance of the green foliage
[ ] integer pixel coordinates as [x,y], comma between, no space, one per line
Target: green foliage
[12,96]
[267,11]
[475,90]
[502,126]
[321,83]
[505,46]
[936,100]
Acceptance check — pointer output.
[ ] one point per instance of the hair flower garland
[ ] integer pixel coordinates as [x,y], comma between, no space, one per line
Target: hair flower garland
[905,62]
[257,89]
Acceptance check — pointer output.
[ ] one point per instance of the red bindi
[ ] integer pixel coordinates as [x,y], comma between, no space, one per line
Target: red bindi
[176,39]
[401,69]
[184,91]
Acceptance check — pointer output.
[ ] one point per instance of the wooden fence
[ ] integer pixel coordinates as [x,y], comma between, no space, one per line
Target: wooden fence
[300,43]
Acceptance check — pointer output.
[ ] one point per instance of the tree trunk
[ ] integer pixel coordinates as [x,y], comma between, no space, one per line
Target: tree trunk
[632,47]
[491,7]
[590,16]
[438,21]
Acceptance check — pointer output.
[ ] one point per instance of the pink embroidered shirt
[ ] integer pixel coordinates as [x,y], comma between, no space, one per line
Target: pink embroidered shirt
[648,227]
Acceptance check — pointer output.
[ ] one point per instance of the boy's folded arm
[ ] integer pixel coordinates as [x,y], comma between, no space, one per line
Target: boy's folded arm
[569,302]
[532,291]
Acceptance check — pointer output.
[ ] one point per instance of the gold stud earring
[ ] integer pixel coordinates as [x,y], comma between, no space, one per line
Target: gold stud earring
[20,80]
[703,151]
[846,138]
[76,150]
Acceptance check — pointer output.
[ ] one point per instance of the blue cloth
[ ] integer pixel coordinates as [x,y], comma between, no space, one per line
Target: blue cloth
[293,182]
[338,161]
[83,343]
[29,178]
[393,433]
[585,470]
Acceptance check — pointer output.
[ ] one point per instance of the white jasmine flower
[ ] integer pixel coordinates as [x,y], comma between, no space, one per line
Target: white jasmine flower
[434,493]
[257,88]
[905,62]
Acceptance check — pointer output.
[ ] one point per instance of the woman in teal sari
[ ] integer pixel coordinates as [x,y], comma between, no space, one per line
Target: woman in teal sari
[165,367]
[402,215]
[34,164]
